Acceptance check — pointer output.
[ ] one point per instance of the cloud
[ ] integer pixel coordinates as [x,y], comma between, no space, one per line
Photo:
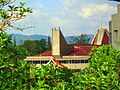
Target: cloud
[92,10]
[72,16]
[57,22]
[69,3]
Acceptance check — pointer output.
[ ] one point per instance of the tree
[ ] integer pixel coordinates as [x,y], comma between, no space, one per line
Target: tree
[103,71]
[48,44]
[9,14]
[14,72]
[35,46]
[14,42]
[82,39]
[43,46]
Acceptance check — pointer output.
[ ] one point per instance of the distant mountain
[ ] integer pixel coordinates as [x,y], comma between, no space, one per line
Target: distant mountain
[21,38]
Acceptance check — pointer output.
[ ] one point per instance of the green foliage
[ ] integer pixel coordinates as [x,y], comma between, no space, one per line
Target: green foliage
[14,42]
[82,39]
[35,46]
[11,13]
[14,72]
[118,43]
[49,44]
[4,40]
[51,77]
[103,72]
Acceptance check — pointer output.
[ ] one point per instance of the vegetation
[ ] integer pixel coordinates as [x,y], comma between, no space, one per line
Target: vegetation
[49,47]
[14,73]
[9,14]
[82,39]
[102,73]
[34,47]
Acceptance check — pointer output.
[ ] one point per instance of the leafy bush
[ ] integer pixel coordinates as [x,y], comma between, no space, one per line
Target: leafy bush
[14,72]
[102,73]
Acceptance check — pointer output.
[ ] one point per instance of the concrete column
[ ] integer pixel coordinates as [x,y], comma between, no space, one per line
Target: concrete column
[59,44]
[55,42]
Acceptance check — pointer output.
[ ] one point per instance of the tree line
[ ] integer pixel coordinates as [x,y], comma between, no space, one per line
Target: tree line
[34,47]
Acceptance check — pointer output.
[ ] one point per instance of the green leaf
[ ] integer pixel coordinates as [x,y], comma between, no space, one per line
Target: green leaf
[22,3]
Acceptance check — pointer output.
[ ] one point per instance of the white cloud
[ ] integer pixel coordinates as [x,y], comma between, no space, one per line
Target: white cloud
[73,16]
[57,22]
[69,3]
[91,10]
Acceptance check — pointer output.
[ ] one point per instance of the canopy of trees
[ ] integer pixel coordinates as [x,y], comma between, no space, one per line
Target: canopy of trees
[82,39]
[102,73]
[35,46]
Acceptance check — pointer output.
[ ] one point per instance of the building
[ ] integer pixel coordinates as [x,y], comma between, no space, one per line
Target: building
[77,56]
[68,55]
[114,28]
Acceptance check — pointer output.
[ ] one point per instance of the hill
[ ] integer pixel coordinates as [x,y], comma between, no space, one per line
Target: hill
[21,38]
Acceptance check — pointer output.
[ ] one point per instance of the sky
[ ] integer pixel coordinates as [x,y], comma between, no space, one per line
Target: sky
[74,17]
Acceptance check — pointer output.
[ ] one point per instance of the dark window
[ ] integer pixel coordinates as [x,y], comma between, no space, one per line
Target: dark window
[115,34]
[82,61]
[29,61]
[73,61]
[39,62]
[86,61]
[34,62]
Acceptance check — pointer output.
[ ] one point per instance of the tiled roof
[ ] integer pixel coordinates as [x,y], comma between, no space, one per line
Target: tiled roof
[101,38]
[49,53]
[81,50]
[78,50]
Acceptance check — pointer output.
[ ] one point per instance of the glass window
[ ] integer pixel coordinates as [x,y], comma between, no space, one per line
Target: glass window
[115,35]
[82,61]
[86,61]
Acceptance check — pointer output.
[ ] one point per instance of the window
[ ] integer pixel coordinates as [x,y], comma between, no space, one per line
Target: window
[82,61]
[86,61]
[73,61]
[115,35]
[39,62]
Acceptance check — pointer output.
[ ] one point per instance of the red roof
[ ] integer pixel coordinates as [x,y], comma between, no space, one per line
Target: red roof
[81,50]
[56,61]
[106,38]
[78,50]
[49,53]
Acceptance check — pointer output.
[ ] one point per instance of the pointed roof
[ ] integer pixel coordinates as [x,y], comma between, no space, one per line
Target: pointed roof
[101,37]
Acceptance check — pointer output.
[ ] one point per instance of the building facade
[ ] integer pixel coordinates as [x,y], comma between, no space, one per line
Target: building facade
[114,28]
[67,55]
[77,56]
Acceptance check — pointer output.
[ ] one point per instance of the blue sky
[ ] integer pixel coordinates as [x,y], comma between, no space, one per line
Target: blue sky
[74,17]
